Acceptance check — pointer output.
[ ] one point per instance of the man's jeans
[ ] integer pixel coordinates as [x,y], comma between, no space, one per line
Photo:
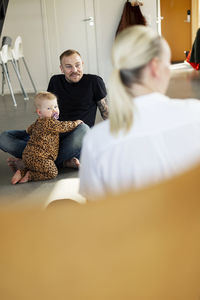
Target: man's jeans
[14,142]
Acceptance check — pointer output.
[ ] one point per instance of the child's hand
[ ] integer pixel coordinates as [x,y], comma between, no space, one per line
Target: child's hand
[79,122]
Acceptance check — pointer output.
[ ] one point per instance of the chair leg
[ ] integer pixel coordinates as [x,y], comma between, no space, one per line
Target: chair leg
[3,82]
[29,74]
[16,62]
[18,66]
[9,83]
[3,77]
[20,81]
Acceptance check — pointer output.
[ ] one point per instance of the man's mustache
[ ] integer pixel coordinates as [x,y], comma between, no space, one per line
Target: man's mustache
[72,74]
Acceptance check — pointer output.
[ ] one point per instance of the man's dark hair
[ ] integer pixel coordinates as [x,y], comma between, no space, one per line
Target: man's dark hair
[68,52]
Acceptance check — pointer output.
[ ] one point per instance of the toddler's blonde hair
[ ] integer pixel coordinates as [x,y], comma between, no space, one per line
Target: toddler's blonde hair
[42,96]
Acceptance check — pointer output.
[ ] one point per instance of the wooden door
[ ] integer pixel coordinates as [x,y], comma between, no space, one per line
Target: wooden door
[176,27]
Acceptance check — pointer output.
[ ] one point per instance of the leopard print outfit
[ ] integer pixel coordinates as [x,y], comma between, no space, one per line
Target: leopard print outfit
[42,148]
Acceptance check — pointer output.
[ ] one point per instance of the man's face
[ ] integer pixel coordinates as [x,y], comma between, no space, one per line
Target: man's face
[72,67]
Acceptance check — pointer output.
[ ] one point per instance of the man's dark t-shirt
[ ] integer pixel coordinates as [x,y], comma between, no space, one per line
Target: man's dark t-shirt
[78,101]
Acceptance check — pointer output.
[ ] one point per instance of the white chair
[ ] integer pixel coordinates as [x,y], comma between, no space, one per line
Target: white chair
[4,60]
[6,40]
[17,53]
[6,56]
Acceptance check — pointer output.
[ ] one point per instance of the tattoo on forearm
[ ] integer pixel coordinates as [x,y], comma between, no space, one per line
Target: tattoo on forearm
[103,107]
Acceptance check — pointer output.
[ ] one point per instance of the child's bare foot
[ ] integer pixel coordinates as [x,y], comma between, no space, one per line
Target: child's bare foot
[16,177]
[15,163]
[72,163]
[25,178]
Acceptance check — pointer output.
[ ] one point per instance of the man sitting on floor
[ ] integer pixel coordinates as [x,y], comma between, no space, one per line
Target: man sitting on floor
[78,95]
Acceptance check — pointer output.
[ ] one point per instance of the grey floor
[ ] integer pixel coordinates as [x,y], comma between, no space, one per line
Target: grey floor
[184,83]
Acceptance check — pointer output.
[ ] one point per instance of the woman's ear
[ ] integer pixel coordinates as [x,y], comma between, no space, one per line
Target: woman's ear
[154,67]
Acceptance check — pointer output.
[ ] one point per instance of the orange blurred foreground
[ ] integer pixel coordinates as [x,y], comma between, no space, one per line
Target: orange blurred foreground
[142,245]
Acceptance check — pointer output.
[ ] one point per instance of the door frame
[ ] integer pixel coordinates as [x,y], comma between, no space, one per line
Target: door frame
[195,18]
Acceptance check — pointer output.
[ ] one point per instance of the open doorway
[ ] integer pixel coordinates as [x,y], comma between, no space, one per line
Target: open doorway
[178,22]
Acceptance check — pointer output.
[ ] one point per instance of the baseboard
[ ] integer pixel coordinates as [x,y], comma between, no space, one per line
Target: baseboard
[19,91]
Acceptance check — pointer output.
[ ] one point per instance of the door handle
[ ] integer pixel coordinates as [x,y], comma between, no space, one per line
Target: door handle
[188,16]
[90,20]
[159,19]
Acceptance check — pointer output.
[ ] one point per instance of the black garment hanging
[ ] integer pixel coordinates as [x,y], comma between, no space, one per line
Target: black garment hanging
[131,16]
[195,53]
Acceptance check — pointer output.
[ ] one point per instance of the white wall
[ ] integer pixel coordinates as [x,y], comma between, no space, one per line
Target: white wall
[108,14]
[33,20]
[149,11]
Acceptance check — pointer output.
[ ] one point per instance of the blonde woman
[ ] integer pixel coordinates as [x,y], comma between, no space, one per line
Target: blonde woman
[149,136]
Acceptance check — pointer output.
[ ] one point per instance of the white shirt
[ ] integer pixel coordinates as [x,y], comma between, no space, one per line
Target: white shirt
[164,140]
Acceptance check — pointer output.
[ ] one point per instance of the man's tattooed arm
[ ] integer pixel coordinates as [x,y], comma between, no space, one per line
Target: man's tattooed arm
[103,107]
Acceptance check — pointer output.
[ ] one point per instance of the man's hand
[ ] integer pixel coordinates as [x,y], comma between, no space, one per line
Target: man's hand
[103,107]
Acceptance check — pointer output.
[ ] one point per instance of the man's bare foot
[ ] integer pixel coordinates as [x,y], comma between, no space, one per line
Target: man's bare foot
[25,178]
[16,177]
[72,163]
[15,163]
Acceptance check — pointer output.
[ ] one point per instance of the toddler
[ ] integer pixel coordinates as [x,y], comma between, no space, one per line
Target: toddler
[42,148]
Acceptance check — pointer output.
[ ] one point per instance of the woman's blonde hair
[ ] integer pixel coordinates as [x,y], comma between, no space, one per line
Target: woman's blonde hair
[42,96]
[133,49]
